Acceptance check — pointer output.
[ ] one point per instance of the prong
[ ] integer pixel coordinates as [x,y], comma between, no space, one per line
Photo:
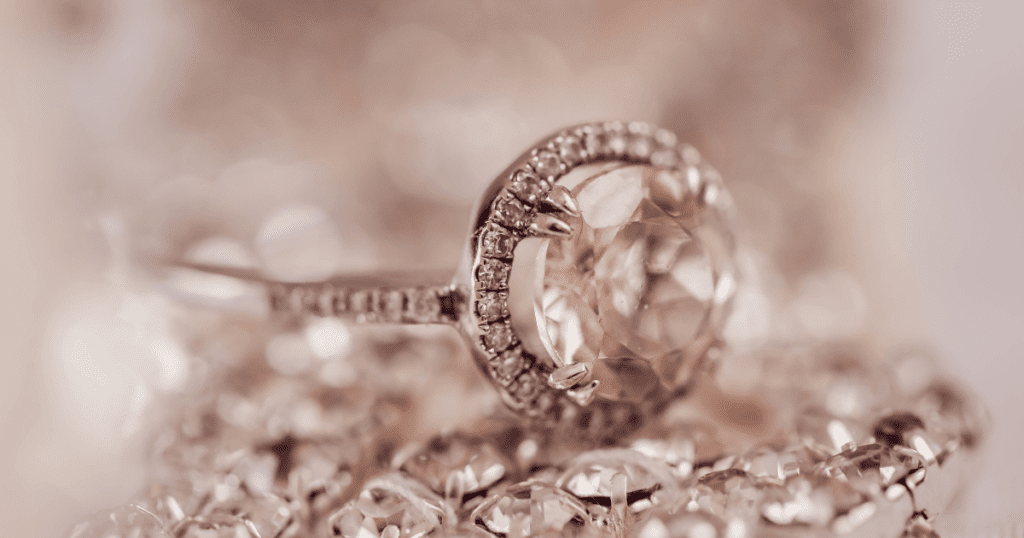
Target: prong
[569,375]
[585,394]
[562,199]
[547,225]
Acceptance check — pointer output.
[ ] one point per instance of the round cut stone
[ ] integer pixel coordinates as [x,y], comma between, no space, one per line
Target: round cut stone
[631,291]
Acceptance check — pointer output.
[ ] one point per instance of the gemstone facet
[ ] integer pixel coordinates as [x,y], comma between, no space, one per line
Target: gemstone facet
[631,291]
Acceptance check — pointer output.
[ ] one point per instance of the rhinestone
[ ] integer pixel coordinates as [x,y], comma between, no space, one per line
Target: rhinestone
[508,365]
[533,508]
[528,186]
[498,336]
[727,493]
[665,158]
[423,305]
[571,150]
[616,145]
[490,306]
[392,302]
[640,148]
[666,138]
[496,242]
[527,387]
[127,521]
[547,164]
[682,524]
[510,211]
[629,291]
[456,466]
[799,503]
[359,301]
[896,429]
[391,506]
[620,478]
[871,469]
[593,141]
[492,274]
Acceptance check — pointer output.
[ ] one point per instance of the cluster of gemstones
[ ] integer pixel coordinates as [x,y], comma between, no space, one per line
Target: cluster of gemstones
[840,447]
[530,205]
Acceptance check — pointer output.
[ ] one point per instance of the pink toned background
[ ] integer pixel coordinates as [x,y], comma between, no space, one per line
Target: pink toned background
[872,148]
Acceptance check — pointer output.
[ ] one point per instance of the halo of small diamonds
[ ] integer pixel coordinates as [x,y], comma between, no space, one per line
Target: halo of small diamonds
[518,209]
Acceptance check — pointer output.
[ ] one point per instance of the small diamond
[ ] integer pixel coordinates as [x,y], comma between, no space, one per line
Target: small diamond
[359,301]
[493,274]
[639,128]
[533,508]
[457,465]
[391,304]
[490,306]
[507,366]
[510,211]
[527,387]
[665,138]
[616,145]
[640,148]
[496,242]
[391,506]
[547,164]
[665,158]
[498,336]
[622,477]
[423,305]
[528,186]
[593,141]
[571,150]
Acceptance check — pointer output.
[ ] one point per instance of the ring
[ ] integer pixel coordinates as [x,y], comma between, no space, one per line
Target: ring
[599,265]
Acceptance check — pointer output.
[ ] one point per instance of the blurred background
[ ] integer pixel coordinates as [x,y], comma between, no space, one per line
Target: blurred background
[871,147]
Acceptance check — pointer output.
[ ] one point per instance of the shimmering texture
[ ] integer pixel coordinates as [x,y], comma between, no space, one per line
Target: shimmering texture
[458,466]
[533,509]
[391,506]
[634,289]
[123,522]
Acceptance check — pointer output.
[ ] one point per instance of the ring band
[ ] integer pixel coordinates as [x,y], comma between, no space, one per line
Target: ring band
[599,265]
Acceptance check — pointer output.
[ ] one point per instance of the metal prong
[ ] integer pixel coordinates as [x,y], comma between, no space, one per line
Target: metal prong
[585,394]
[562,199]
[547,225]
[569,375]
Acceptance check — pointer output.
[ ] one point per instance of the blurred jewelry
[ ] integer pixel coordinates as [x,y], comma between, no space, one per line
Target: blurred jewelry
[826,443]
[600,264]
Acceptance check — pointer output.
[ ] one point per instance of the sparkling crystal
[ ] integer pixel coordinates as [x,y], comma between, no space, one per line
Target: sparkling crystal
[728,493]
[571,150]
[496,242]
[547,164]
[593,141]
[391,506]
[528,186]
[527,387]
[872,469]
[665,158]
[493,274]
[392,302]
[423,305]
[490,306]
[458,466]
[630,291]
[123,522]
[533,509]
[799,503]
[623,477]
[498,336]
[510,211]
[507,365]
[682,524]
[640,148]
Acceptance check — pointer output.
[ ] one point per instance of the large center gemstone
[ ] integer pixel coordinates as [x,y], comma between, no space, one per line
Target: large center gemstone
[630,292]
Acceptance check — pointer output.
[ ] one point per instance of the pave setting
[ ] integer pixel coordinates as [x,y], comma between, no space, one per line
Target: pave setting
[623,232]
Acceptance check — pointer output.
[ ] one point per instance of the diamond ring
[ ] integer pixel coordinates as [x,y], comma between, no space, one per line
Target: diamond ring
[599,265]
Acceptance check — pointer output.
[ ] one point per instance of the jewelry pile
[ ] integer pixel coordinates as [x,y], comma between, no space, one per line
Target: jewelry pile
[598,280]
